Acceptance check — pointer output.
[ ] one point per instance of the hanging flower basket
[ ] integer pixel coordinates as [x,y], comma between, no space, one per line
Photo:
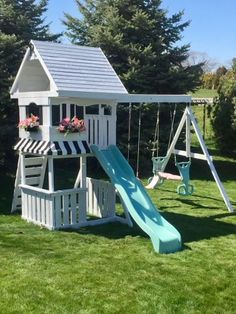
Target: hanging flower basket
[30,124]
[74,125]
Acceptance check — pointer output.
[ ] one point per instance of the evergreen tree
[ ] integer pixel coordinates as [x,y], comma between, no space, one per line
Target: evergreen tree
[20,21]
[141,42]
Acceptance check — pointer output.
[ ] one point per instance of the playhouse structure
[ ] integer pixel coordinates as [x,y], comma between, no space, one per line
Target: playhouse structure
[58,81]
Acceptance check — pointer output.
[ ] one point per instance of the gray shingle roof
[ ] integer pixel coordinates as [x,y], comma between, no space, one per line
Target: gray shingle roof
[79,68]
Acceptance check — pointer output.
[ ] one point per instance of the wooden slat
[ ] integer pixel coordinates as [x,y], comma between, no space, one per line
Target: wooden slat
[33,181]
[33,171]
[57,210]
[73,208]
[43,211]
[38,210]
[65,210]
[32,161]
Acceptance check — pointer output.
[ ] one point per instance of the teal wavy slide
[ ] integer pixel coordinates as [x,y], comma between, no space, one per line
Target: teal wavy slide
[165,238]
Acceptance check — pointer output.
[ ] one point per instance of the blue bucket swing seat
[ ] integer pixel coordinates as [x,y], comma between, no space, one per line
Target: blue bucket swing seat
[185,188]
[158,165]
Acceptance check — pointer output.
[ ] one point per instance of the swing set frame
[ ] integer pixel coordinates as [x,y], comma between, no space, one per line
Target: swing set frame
[187,120]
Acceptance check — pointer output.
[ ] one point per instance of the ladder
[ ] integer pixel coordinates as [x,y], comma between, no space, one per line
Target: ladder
[35,168]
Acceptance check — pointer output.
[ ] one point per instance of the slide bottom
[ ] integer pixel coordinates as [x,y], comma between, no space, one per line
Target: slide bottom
[165,238]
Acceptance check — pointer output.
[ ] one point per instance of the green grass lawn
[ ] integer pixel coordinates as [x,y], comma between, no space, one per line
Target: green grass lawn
[114,269]
[202,92]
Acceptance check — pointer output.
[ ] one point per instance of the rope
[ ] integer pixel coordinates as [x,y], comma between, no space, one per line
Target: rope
[129,131]
[156,133]
[172,118]
[139,137]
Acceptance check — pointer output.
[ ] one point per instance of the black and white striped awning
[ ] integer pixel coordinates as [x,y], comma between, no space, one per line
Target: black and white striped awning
[56,148]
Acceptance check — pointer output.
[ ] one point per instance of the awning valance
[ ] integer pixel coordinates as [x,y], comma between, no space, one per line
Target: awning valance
[55,148]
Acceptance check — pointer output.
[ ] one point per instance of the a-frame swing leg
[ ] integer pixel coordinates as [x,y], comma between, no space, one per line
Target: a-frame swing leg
[209,161]
[175,139]
[189,117]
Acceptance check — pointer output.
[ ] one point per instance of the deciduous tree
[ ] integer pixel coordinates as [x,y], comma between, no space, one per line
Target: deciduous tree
[224,112]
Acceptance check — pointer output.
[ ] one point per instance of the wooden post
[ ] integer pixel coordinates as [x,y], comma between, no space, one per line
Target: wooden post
[22,167]
[188,136]
[83,195]
[50,174]
[175,139]
[204,121]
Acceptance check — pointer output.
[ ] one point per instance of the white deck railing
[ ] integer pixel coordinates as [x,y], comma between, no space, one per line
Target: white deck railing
[71,207]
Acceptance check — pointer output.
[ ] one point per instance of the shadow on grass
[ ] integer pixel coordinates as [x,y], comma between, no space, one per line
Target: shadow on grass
[194,228]
[225,169]
[114,230]
[191,228]
[193,203]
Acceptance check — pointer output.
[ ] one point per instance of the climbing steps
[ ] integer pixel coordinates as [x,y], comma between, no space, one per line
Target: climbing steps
[35,168]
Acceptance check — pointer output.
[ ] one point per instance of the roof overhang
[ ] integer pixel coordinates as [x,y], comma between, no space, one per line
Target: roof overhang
[127,98]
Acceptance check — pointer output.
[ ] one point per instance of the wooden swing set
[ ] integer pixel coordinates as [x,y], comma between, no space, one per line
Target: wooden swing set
[160,162]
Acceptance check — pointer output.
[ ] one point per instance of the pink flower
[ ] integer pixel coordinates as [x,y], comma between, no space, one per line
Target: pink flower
[71,126]
[30,122]
[61,128]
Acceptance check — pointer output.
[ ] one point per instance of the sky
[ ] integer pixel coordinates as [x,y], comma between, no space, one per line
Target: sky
[212,29]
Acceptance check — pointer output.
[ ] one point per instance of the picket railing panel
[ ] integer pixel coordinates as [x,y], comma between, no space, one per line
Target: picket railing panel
[63,208]
[100,130]
[101,198]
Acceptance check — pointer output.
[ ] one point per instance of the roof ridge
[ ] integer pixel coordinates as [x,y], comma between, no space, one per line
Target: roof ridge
[69,45]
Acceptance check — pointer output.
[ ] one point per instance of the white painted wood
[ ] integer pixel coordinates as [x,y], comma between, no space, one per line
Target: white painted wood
[22,168]
[43,71]
[43,210]
[188,136]
[61,209]
[73,208]
[38,209]
[78,179]
[125,98]
[192,155]
[28,95]
[209,161]
[101,198]
[78,101]
[33,77]
[14,87]
[57,211]
[16,202]
[83,196]
[47,115]
[101,130]
[33,171]
[175,139]
[65,210]
[43,171]
[50,174]
[33,206]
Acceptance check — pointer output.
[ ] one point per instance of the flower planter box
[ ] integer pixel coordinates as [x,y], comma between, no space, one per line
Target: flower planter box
[46,133]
